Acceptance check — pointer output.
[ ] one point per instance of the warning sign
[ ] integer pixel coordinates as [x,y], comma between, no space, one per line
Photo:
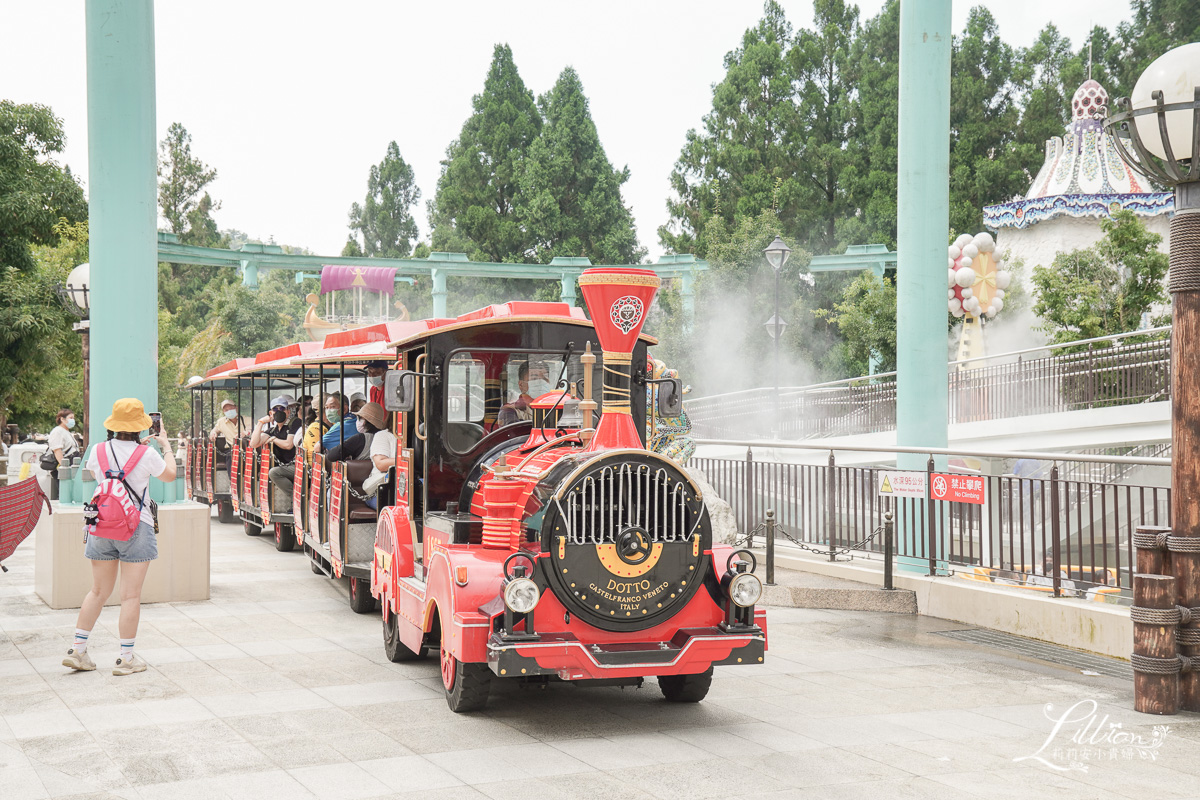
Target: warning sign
[893,483]
[958,488]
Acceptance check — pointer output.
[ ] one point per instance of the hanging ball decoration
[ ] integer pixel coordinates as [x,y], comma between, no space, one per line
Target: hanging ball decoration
[965,261]
[1000,293]
[984,242]
[950,277]
[967,293]
[965,276]
[1003,279]
[955,252]
[971,251]
[957,314]
[963,240]
[997,304]
[991,312]
[955,305]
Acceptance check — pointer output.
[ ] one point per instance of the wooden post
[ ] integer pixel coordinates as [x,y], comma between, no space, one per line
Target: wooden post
[1154,692]
[1153,558]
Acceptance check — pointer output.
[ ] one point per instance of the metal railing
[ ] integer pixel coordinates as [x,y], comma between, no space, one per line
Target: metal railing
[1092,373]
[1047,533]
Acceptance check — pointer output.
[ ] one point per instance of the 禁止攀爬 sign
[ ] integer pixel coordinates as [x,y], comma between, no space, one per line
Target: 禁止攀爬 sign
[958,488]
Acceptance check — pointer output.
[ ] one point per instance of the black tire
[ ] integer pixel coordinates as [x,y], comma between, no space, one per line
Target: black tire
[686,688]
[250,528]
[225,512]
[361,601]
[468,687]
[284,539]
[395,649]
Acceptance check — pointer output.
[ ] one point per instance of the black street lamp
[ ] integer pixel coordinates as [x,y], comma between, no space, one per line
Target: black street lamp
[777,255]
[1157,132]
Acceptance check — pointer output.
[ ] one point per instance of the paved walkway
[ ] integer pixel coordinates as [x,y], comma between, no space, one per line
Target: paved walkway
[275,689]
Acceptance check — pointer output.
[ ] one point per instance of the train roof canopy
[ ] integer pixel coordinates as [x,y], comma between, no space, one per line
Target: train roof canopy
[517,311]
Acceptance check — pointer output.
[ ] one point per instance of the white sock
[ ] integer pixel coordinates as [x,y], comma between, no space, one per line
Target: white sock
[81,640]
[126,648]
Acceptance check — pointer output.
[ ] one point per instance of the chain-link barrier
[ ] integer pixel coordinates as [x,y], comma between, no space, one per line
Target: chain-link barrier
[748,541]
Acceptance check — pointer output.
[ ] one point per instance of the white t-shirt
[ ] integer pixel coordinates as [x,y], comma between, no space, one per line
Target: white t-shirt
[150,466]
[59,439]
[384,444]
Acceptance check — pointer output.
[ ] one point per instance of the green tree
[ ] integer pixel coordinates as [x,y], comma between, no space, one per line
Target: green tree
[384,221]
[475,209]
[36,193]
[182,179]
[1104,289]
[825,69]
[1156,27]
[983,116]
[570,194]
[866,320]
[745,160]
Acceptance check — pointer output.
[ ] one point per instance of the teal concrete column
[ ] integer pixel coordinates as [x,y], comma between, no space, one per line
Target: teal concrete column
[687,291]
[122,207]
[566,293]
[923,198]
[250,274]
[439,292]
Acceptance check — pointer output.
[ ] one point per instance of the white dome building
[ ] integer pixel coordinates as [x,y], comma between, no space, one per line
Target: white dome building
[1082,181]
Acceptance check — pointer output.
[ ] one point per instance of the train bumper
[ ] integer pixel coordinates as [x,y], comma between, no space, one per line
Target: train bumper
[690,651]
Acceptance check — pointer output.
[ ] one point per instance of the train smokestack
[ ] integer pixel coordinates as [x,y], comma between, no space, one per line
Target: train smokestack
[618,300]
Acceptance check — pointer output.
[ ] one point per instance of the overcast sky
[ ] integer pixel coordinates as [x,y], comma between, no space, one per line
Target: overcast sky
[292,102]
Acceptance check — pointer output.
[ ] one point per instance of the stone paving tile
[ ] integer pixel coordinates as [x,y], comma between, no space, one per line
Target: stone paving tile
[274,689]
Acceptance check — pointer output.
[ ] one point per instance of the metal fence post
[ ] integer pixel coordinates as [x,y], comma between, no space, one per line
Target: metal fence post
[770,547]
[930,526]
[748,512]
[1055,523]
[830,510]
[889,531]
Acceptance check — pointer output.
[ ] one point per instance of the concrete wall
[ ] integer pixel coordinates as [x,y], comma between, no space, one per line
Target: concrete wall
[1082,624]
[1038,244]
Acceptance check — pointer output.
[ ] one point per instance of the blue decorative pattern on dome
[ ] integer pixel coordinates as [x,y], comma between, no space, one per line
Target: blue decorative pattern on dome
[1023,213]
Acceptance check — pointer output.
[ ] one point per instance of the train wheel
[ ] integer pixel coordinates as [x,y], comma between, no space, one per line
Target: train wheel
[361,601]
[250,528]
[284,541]
[686,688]
[225,511]
[466,684]
[395,649]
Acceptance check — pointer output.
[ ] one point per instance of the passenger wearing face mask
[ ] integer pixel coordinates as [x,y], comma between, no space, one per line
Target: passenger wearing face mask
[366,424]
[230,425]
[284,475]
[337,418]
[278,430]
[375,370]
[62,444]
[528,390]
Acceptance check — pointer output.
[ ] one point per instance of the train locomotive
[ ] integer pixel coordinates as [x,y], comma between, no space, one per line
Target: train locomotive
[550,549]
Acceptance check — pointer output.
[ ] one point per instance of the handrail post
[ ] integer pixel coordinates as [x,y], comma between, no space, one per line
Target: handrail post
[889,531]
[748,512]
[770,547]
[930,528]
[830,511]
[1055,522]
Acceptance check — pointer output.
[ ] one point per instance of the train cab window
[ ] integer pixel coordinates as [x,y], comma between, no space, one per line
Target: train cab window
[488,390]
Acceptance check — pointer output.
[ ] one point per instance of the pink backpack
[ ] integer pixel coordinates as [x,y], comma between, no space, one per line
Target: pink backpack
[115,512]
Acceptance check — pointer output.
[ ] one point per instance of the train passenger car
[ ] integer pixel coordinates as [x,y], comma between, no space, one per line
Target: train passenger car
[206,470]
[519,541]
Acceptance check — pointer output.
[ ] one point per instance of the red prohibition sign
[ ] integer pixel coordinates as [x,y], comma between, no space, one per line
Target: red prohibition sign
[939,486]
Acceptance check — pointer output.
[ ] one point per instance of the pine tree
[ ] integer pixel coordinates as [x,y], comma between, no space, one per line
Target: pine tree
[748,141]
[384,220]
[474,210]
[570,195]
[181,179]
[877,108]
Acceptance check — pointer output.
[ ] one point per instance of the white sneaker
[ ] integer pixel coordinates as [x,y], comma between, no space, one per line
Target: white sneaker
[80,661]
[128,666]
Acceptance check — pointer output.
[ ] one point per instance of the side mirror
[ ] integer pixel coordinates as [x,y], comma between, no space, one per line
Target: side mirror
[399,390]
[670,397]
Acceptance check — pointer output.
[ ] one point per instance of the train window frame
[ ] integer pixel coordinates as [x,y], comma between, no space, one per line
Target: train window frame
[576,354]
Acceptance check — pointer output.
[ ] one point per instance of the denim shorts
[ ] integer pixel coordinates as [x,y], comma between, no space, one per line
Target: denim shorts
[142,546]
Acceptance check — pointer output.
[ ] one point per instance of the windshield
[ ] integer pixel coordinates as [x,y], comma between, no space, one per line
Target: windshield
[490,389]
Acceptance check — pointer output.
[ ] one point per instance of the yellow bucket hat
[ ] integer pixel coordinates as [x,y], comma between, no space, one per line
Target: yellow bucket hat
[128,416]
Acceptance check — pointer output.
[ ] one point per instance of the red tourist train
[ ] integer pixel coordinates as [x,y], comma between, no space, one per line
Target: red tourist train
[511,537]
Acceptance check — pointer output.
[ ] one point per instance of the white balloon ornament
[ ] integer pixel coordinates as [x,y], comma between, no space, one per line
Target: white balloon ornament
[1003,278]
[955,252]
[965,276]
[971,251]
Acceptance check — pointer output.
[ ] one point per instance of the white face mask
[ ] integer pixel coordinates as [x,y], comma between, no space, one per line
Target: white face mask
[362,426]
[538,387]
[376,380]
[70,422]
[231,414]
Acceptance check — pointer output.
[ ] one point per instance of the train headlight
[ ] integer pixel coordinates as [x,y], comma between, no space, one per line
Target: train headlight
[522,595]
[745,589]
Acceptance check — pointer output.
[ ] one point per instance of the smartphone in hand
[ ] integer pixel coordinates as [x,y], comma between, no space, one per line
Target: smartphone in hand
[155,423]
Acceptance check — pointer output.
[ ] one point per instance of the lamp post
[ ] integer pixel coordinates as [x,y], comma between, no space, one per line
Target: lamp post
[777,255]
[1157,131]
[75,297]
